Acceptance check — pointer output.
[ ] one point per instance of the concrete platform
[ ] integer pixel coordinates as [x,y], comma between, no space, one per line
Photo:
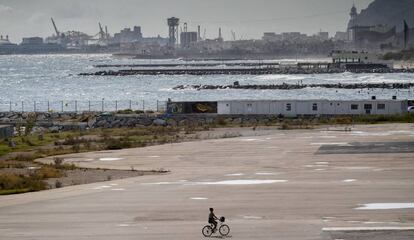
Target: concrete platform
[269,187]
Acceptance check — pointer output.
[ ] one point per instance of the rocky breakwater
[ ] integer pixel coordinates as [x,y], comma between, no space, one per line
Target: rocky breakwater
[286,86]
[223,71]
[239,71]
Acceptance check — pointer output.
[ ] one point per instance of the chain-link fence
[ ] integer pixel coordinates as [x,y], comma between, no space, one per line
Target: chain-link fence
[82,106]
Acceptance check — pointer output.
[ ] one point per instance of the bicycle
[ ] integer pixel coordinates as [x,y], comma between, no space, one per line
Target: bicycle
[223,229]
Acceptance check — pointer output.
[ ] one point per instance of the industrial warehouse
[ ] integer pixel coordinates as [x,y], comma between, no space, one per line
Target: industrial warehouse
[291,108]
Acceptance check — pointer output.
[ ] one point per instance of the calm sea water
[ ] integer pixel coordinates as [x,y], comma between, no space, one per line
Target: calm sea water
[54,78]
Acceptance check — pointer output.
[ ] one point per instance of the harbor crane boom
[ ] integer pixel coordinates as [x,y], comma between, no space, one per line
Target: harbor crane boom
[101,32]
[54,26]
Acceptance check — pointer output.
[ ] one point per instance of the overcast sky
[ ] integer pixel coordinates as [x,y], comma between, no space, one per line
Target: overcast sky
[248,18]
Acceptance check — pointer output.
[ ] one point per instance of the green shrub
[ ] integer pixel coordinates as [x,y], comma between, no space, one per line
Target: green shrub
[46,172]
[14,183]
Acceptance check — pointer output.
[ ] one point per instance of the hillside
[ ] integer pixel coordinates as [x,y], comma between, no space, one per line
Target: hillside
[390,12]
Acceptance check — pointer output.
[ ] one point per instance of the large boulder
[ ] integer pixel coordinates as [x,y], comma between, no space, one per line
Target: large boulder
[160,122]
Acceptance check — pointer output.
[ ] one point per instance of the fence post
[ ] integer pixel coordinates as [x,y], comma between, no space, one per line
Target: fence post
[116,106]
[10,106]
[22,106]
[76,106]
[48,106]
[157,106]
[130,104]
[62,106]
[103,103]
[143,105]
[89,105]
[34,106]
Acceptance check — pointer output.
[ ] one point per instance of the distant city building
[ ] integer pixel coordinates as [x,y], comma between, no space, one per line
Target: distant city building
[341,36]
[352,22]
[6,47]
[37,45]
[272,37]
[128,36]
[294,37]
[32,41]
[323,36]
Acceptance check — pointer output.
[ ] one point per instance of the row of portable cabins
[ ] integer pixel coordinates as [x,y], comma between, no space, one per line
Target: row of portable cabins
[313,107]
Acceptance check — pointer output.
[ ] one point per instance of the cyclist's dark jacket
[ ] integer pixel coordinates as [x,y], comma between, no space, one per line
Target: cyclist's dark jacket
[211,218]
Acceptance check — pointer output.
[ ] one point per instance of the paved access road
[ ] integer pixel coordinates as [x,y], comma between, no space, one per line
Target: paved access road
[278,186]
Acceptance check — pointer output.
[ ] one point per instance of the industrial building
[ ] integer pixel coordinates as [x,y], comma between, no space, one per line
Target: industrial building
[187,39]
[127,35]
[355,59]
[6,131]
[291,108]
[6,47]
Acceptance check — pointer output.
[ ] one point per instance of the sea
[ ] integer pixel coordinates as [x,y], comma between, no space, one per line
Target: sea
[52,83]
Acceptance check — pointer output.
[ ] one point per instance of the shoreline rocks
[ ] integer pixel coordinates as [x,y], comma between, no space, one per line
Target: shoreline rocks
[285,86]
[241,71]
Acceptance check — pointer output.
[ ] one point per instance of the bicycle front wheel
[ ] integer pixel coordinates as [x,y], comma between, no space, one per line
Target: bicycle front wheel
[207,231]
[224,230]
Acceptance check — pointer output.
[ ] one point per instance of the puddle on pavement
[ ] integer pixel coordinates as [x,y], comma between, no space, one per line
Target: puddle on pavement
[229,182]
[385,206]
[265,173]
[234,174]
[251,140]
[241,182]
[349,180]
[110,159]
[332,143]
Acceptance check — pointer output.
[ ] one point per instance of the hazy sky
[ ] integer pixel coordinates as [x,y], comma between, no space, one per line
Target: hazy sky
[248,18]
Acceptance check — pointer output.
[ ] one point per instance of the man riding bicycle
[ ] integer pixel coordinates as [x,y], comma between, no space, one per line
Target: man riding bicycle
[213,219]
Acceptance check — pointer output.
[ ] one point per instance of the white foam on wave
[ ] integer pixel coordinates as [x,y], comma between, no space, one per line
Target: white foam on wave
[385,206]
[198,198]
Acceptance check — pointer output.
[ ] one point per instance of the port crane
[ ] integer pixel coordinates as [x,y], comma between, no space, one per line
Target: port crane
[56,29]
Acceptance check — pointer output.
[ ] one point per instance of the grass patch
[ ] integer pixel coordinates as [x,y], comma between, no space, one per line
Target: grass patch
[15,191]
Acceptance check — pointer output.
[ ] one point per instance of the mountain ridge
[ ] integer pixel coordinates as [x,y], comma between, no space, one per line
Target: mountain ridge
[387,12]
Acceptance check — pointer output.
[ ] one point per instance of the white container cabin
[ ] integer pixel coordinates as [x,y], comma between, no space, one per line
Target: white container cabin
[312,107]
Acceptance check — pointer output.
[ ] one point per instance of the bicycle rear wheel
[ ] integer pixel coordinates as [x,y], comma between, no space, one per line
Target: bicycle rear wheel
[224,230]
[207,231]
